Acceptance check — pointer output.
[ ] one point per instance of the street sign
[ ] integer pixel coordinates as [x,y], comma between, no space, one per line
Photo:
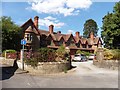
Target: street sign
[23,42]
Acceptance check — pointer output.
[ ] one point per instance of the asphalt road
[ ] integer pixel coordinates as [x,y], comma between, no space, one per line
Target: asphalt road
[85,75]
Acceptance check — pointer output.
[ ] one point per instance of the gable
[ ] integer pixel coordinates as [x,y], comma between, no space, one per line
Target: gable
[29,24]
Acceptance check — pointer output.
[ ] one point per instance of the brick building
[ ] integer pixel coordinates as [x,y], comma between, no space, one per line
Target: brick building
[37,38]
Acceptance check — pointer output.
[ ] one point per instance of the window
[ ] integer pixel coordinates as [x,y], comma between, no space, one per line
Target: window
[89,46]
[84,45]
[28,37]
[60,43]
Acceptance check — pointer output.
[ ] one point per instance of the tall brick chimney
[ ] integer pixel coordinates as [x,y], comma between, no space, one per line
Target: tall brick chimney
[36,18]
[51,27]
[92,35]
[77,34]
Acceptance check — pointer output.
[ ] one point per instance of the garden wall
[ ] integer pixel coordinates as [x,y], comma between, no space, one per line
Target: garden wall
[109,64]
[47,67]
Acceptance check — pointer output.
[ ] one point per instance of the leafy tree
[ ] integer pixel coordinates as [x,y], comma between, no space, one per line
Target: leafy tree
[90,26]
[111,28]
[10,34]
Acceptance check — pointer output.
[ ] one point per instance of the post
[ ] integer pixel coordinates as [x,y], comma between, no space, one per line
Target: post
[5,55]
[22,57]
[23,42]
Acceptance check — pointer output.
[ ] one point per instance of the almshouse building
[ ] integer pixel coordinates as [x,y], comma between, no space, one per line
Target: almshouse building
[37,38]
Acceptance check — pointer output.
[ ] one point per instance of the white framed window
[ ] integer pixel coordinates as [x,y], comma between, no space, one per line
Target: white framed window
[28,37]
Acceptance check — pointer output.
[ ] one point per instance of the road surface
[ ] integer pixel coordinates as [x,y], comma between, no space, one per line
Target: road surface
[84,75]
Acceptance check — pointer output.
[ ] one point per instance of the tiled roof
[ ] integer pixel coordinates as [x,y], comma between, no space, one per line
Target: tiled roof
[58,36]
[83,40]
[96,40]
[36,31]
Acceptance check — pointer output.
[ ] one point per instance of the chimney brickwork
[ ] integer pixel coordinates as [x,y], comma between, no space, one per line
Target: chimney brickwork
[36,18]
[51,27]
[77,34]
[92,35]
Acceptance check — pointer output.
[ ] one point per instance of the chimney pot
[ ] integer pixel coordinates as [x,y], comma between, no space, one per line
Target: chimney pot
[59,32]
[51,29]
[36,18]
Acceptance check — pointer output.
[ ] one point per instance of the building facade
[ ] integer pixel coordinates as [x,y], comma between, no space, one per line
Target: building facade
[37,38]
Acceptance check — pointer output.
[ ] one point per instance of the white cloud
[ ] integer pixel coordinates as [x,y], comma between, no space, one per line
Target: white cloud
[71,31]
[65,7]
[50,20]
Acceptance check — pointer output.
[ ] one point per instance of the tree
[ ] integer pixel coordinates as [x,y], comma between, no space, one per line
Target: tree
[10,34]
[111,28]
[90,26]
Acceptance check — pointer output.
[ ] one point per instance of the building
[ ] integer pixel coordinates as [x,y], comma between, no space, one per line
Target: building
[37,38]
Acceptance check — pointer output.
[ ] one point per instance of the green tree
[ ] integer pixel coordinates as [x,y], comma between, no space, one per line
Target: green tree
[10,34]
[111,28]
[90,26]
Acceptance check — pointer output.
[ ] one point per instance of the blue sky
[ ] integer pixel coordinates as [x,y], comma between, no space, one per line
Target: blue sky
[66,16]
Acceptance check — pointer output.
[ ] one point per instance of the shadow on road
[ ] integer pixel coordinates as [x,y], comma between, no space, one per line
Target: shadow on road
[8,71]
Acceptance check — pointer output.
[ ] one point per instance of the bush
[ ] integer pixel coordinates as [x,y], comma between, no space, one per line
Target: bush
[111,54]
[9,54]
[61,53]
[42,55]
[83,52]
[47,55]
[116,53]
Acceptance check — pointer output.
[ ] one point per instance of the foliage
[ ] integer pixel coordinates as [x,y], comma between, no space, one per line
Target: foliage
[10,34]
[83,52]
[10,51]
[9,54]
[42,55]
[61,52]
[47,55]
[111,28]
[90,26]
[111,54]
[116,53]
[108,55]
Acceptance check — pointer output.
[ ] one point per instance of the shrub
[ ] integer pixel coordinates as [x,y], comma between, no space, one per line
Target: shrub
[116,53]
[83,52]
[9,54]
[42,55]
[47,55]
[61,53]
[111,54]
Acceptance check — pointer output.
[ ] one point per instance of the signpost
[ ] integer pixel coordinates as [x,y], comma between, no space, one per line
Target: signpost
[23,43]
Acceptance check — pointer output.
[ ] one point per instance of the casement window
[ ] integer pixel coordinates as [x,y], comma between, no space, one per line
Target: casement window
[28,37]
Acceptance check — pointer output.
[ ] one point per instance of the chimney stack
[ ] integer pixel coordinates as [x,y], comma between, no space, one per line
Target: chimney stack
[59,32]
[51,29]
[77,34]
[92,35]
[36,21]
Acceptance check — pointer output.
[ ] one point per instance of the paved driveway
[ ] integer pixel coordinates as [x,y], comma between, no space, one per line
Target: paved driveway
[85,75]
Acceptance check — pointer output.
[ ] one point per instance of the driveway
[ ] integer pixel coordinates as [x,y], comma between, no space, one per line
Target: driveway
[84,75]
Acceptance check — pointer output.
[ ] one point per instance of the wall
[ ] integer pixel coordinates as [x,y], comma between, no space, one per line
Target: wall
[47,67]
[109,64]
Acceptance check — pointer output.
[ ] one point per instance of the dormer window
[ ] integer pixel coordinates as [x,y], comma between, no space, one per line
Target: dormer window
[28,37]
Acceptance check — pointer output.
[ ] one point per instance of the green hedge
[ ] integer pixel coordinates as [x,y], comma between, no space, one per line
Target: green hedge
[8,51]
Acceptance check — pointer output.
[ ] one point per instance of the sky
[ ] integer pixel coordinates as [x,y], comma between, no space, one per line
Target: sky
[67,16]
